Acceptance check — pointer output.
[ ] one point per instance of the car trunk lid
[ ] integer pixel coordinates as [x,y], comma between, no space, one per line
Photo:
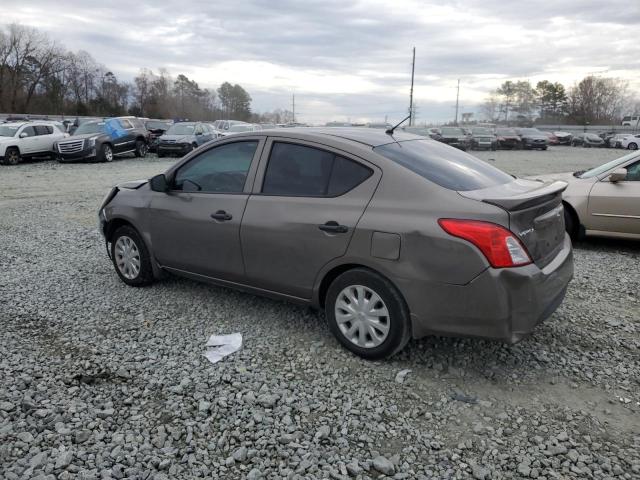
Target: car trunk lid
[535,214]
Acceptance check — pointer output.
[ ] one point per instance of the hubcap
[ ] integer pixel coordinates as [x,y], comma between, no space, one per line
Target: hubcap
[13,157]
[362,316]
[108,154]
[127,257]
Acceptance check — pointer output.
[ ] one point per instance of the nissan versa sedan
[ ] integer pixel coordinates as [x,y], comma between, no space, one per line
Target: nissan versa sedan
[395,236]
[604,200]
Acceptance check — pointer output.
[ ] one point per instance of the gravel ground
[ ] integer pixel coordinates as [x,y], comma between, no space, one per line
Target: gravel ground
[99,380]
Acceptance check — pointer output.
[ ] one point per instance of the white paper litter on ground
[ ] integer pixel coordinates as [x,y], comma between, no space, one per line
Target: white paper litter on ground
[219,346]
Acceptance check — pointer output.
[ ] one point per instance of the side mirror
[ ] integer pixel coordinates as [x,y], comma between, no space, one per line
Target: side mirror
[23,135]
[618,175]
[198,133]
[159,183]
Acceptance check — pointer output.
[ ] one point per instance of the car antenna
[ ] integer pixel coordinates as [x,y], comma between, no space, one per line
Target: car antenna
[389,131]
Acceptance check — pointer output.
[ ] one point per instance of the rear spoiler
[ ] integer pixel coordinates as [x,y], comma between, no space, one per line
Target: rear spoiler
[512,199]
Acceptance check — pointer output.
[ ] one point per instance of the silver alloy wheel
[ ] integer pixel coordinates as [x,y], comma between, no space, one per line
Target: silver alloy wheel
[127,257]
[14,157]
[108,153]
[362,316]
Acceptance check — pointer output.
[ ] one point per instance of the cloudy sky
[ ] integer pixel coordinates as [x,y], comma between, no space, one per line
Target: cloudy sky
[350,60]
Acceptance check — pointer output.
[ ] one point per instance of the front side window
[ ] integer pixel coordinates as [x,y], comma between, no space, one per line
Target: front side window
[126,124]
[298,170]
[28,132]
[44,130]
[633,172]
[219,170]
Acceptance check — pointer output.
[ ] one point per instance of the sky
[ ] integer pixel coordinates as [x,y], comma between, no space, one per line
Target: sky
[350,61]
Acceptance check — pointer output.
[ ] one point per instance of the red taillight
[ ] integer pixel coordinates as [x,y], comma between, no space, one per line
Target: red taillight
[501,247]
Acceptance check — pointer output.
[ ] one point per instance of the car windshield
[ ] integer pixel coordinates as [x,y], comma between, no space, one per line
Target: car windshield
[181,129]
[481,131]
[506,131]
[241,128]
[8,130]
[591,136]
[90,127]
[452,131]
[443,165]
[155,125]
[530,131]
[594,172]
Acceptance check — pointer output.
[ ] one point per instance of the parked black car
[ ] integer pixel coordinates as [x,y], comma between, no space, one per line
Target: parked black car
[532,138]
[102,140]
[483,138]
[456,137]
[508,138]
[156,129]
[587,140]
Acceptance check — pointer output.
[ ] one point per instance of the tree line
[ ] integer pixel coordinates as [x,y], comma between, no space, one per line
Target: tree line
[593,100]
[40,76]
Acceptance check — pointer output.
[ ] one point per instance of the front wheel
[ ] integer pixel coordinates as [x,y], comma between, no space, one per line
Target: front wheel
[130,257]
[367,314]
[12,156]
[141,148]
[632,146]
[106,153]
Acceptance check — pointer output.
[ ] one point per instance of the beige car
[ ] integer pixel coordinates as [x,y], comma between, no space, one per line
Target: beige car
[604,200]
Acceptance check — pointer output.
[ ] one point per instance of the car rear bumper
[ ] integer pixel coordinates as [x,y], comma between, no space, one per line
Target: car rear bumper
[504,304]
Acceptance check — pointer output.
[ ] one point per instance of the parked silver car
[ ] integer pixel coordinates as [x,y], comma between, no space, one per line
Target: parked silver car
[393,235]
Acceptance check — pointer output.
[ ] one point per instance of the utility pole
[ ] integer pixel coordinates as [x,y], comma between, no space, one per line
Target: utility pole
[457,103]
[293,106]
[413,68]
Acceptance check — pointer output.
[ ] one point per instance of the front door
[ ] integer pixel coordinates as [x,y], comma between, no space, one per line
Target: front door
[121,132]
[615,206]
[303,215]
[28,140]
[196,226]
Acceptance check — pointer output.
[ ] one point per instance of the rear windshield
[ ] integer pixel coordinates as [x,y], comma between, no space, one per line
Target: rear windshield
[181,129]
[448,167]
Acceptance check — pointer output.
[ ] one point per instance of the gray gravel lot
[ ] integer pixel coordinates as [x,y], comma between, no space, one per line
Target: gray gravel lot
[99,380]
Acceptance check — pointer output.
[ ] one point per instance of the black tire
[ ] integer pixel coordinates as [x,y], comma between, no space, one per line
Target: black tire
[632,146]
[571,223]
[12,156]
[398,320]
[144,275]
[105,154]
[141,149]
[194,146]
[544,148]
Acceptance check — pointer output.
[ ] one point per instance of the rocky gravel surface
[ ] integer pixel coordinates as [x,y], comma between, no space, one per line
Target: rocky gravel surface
[99,380]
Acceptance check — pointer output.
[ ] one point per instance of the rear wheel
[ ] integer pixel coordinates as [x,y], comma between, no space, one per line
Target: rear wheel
[106,153]
[367,314]
[130,257]
[632,146]
[12,156]
[141,148]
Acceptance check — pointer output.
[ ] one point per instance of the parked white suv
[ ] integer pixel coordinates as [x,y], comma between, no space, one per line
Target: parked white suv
[631,121]
[20,140]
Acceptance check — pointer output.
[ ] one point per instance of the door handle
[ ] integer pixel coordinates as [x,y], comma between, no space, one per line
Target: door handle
[333,227]
[221,215]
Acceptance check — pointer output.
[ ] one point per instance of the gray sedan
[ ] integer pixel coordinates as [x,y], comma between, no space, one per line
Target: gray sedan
[395,236]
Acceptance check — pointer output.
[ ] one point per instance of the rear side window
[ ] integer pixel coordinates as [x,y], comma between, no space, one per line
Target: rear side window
[446,166]
[298,170]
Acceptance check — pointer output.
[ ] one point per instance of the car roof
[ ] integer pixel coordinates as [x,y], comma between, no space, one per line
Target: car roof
[373,137]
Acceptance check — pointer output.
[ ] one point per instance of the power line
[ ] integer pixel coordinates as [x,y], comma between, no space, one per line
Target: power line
[413,68]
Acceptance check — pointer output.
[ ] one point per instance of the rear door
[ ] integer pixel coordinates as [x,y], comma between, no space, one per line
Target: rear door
[615,206]
[45,138]
[196,226]
[307,201]
[121,131]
